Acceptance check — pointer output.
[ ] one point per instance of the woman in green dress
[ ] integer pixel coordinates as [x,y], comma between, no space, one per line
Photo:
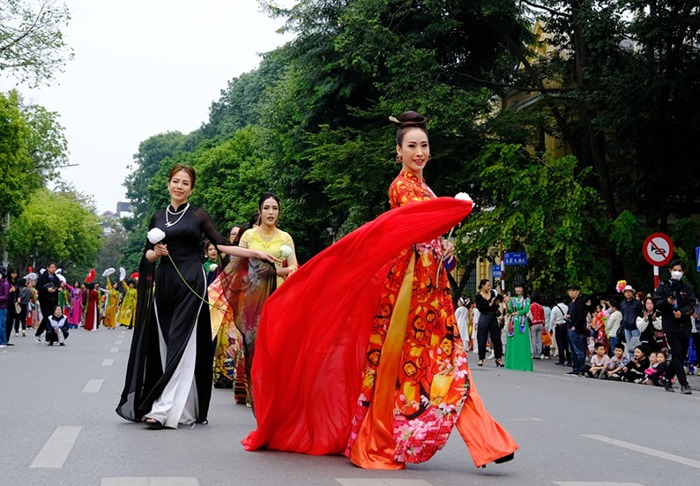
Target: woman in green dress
[518,352]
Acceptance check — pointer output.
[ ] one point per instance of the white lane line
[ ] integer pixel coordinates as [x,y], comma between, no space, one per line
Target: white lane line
[93,386]
[594,483]
[108,362]
[117,342]
[381,482]
[114,350]
[645,450]
[153,481]
[56,450]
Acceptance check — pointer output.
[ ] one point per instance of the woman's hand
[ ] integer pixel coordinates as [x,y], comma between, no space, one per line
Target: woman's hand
[161,250]
[263,255]
[448,249]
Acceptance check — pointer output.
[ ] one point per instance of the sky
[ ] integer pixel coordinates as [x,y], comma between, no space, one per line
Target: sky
[144,67]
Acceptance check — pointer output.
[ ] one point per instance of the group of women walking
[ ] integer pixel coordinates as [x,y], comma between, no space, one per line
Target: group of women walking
[358,353]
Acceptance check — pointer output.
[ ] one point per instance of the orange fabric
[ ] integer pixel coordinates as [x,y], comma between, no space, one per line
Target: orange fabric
[315,328]
[485,438]
[374,446]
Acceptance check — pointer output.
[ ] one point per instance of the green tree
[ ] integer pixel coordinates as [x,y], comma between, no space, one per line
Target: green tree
[32,45]
[543,207]
[55,227]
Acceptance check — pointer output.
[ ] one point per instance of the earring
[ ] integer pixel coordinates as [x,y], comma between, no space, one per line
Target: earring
[399,159]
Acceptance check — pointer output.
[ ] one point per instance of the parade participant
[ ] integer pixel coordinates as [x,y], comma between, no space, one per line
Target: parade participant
[169,374]
[128,307]
[676,300]
[111,295]
[47,284]
[518,349]
[76,311]
[92,313]
[487,301]
[374,304]
[245,295]
[211,264]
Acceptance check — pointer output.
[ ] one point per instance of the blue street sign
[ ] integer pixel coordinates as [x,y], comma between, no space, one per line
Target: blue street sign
[496,269]
[697,257]
[515,258]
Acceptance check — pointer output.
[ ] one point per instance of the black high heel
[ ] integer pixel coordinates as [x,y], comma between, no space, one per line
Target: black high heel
[507,458]
[499,363]
[153,424]
[480,363]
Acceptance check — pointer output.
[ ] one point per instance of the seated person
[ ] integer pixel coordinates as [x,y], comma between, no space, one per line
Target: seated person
[633,372]
[657,370]
[599,362]
[617,363]
[57,330]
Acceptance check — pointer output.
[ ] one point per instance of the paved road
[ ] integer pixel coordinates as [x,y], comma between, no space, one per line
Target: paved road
[60,429]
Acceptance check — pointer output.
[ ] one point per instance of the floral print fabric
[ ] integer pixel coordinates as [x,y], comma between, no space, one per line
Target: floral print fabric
[431,382]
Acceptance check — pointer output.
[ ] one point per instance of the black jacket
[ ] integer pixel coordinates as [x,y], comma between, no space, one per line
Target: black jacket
[43,283]
[685,302]
[577,314]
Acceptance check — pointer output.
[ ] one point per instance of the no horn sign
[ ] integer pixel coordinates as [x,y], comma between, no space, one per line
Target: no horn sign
[658,249]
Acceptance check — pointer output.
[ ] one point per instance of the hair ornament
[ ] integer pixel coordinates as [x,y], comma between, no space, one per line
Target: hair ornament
[393,119]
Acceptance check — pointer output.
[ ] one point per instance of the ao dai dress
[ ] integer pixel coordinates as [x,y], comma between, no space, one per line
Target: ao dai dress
[518,348]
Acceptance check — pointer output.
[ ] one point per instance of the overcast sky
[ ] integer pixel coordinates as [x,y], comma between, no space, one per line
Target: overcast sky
[144,67]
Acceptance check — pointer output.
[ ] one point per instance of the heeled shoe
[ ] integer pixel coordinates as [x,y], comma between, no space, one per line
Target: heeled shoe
[481,362]
[153,424]
[507,458]
[499,363]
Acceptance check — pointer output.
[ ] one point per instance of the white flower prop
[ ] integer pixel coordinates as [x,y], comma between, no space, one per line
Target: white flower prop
[284,252]
[463,196]
[122,273]
[59,271]
[156,235]
[61,277]
[213,267]
[108,272]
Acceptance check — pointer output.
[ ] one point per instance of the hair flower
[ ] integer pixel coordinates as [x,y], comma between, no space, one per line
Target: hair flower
[621,284]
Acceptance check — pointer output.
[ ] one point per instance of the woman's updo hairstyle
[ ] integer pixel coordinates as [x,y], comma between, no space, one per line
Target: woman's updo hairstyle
[406,121]
[184,167]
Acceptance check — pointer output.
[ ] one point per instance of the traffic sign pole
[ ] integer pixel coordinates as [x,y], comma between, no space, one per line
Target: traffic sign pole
[656,277]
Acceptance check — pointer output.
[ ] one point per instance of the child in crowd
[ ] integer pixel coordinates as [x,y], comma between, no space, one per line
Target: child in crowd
[657,370]
[617,363]
[599,362]
[633,372]
[58,327]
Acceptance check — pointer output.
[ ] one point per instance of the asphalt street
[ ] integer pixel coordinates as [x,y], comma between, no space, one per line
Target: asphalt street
[60,428]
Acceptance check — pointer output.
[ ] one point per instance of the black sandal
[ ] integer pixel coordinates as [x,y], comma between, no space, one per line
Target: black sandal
[153,424]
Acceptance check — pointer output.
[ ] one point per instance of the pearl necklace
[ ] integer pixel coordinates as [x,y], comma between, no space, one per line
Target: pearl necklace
[168,224]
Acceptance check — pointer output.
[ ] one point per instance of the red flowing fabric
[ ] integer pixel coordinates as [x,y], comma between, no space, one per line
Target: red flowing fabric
[315,328]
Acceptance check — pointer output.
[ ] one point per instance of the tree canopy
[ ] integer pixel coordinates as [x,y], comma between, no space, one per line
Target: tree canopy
[566,121]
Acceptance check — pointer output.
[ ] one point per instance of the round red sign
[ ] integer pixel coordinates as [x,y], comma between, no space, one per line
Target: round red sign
[658,249]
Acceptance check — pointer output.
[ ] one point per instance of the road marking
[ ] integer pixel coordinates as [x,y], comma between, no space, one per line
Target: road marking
[117,342]
[56,450]
[93,386]
[594,483]
[645,450]
[108,362]
[154,481]
[381,482]
[114,350]
[526,419]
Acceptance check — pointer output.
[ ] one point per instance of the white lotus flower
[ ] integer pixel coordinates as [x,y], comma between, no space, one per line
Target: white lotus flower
[463,196]
[156,235]
[285,251]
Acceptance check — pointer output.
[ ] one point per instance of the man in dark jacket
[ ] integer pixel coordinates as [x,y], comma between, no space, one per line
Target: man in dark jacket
[676,300]
[47,286]
[577,331]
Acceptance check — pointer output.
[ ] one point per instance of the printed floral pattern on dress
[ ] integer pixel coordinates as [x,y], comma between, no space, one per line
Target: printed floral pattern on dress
[432,382]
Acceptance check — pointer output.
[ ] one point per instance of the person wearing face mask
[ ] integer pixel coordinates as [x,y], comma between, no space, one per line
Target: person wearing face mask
[676,300]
